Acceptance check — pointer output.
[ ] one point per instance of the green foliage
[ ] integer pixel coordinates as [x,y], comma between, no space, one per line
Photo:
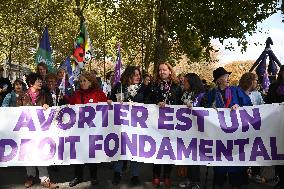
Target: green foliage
[148,30]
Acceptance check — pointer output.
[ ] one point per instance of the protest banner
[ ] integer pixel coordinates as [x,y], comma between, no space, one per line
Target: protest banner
[93,133]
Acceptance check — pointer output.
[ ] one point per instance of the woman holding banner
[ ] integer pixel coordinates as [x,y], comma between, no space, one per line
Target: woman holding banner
[89,92]
[276,95]
[192,97]
[165,91]
[129,90]
[248,83]
[226,96]
[35,96]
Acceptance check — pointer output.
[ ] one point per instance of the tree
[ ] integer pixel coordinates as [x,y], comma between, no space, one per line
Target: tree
[149,30]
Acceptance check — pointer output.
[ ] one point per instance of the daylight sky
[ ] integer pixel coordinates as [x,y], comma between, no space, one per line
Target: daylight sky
[271,27]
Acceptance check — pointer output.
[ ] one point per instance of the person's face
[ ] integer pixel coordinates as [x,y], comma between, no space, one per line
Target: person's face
[147,81]
[111,77]
[186,85]
[135,79]
[37,85]
[61,74]
[18,87]
[84,83]
[51,84]
[42,70]
[254,84]
[164,72]
[223,81]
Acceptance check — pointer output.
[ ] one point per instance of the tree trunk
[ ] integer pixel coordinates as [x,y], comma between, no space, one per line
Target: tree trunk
[162,26]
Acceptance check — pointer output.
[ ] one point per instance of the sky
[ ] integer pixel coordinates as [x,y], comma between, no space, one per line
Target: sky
[271,27]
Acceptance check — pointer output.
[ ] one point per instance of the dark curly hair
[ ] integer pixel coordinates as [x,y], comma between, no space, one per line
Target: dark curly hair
[32,77]
[128,73]
[195,83]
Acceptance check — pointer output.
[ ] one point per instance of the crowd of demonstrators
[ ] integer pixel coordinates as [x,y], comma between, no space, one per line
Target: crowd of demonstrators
[165,88]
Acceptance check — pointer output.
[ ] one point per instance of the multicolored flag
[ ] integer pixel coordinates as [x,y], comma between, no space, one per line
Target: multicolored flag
[83,51]
[118,66]
[44,52]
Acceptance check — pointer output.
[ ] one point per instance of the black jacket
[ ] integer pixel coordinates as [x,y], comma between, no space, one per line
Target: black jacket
[139,97]
[157,95]
[272,95]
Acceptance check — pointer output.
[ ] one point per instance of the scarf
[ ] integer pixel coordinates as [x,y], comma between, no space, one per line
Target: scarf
[165,88]
[33,95]
[228,98]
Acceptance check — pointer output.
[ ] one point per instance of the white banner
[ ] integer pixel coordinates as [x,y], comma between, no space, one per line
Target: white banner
[94,133]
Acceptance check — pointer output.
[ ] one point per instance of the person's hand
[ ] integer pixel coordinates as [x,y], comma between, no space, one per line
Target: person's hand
[45,107]
[189,104]
[1,90]
[161,104]
[235,107]
[109,102]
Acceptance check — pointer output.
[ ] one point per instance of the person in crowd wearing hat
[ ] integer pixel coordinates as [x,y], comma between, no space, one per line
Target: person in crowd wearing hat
[166,91]
[226,96]
[89,92]
[193,94]
[15,98]
[5,85]
[36,96]
[276,95]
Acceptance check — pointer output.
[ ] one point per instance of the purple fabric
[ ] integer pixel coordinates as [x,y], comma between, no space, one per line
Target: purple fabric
[118,66]
[265,82]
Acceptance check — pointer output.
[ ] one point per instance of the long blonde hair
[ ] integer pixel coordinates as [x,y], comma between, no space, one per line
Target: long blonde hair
[173,77]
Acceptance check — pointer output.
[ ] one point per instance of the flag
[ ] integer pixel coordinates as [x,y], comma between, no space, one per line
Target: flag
[83,51]
[67,65]
[265,82]
[118,66]
[88,46]
[44,52]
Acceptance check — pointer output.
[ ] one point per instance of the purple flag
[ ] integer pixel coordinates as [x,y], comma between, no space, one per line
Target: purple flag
[117,66]
[265,82]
